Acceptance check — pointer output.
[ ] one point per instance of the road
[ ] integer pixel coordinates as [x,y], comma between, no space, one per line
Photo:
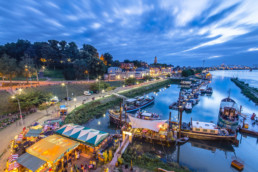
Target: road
[7,134]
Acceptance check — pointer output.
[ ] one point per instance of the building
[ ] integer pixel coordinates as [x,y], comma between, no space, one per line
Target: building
[141,72]
[155,71]
[114,70]
[155,60]
[127,66]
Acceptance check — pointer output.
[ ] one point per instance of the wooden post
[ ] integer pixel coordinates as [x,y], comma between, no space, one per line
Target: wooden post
[180,121]
[121,111]
[169,123]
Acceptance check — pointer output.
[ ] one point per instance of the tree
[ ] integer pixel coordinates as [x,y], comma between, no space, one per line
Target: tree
[89,49]
[116,63]
[27,67]
[96,67]
[108,58]
[8,67]
[130,81]
[187,72]
[81,67]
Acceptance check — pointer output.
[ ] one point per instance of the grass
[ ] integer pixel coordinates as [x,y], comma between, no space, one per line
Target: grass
[248,91]
[84,113]
[53,73]
[145,89]
[115,83]
[60,91]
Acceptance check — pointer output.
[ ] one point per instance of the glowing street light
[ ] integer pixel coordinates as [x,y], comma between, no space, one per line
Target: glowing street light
[19,105]
[63,84]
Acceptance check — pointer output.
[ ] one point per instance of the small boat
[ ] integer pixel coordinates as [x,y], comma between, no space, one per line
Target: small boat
[206,131]
[132,105]
[249,124]
[182,140]
[238,165]
[228,114]
[174,106]
[209,90]
[188,106]
[146,115]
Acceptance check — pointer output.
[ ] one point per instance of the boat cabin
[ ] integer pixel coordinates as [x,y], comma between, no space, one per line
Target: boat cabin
[204,127]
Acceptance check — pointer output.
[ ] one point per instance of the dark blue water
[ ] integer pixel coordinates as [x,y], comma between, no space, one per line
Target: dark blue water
[201,155]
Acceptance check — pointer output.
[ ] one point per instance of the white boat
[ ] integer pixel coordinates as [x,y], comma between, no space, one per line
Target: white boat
[87,93]
[188,106]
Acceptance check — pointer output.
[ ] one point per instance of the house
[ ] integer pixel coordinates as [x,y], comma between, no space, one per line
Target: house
[114,70]
[127,66]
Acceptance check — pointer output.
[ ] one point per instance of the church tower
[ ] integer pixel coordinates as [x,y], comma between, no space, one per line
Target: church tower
[155,60]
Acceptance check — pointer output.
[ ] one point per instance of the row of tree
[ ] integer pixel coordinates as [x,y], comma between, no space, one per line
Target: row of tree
[24,57]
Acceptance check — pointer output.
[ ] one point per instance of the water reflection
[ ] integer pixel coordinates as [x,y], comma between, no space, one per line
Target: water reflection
[208,156]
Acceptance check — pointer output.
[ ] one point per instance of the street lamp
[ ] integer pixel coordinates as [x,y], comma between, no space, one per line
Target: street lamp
[19,105]
[74,102]
[63,84]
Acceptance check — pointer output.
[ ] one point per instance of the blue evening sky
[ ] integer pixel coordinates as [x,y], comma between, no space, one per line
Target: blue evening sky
[180,32]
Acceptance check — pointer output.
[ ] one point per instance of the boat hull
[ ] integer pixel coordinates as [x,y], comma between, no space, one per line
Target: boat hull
[201,136]
[140,107]
[233,125]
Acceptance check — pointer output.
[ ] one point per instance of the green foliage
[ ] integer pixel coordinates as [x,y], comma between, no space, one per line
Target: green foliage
[248,91]
[85,112]
[31,99]
[99,86]
[109,58]
[8,67]
[147,78]
[54,73]
[130,81]
[148,161]
[187,72]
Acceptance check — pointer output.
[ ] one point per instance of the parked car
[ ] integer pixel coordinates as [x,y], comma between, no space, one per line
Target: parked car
[69,98]
[87,93]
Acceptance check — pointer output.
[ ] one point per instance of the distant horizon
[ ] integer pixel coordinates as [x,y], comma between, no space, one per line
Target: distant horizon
[177,32]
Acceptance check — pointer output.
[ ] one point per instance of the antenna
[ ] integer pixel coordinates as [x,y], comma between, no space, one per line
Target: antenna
[229,93]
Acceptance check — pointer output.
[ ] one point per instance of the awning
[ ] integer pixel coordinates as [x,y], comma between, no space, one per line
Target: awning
[85,135]
[33,133]
[148,124]
[52,148]
[31,162]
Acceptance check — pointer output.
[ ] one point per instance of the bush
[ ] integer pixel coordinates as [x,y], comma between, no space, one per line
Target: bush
[147,77]
[130,81]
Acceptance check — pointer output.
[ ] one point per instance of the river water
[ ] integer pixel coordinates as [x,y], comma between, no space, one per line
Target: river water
[202,155]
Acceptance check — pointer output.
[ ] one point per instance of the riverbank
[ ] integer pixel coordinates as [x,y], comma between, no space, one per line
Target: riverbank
[96,108]
[250,92]
[144,89]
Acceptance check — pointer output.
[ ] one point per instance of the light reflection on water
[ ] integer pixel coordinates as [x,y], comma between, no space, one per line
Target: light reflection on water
[220,155]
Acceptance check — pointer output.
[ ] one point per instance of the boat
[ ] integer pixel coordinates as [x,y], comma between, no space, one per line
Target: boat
[174,106]
[132,105]
[209,90]
[249,124]
[228,114]
[238,165]
[146,115]
[205,131]
[182,140]
[203,90]
[188,106]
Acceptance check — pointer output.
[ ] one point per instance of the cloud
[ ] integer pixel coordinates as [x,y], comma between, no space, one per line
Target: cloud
[253,49]
[177,32]
[213,57]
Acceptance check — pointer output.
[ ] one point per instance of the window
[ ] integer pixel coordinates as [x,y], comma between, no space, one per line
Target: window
[212,131]
[197,129]
[205,130]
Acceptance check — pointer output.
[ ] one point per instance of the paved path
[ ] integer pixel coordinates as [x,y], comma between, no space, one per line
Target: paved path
[7,134]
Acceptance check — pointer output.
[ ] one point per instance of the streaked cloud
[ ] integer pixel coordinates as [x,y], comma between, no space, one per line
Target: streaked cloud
[253,49]
[177,32]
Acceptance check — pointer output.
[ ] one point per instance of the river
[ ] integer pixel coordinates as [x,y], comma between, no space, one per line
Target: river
[202,155]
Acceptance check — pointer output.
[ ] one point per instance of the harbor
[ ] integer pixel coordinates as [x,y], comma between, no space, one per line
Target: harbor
[176,136]
[207,110]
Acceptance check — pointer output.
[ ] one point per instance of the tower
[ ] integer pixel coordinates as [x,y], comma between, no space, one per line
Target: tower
[155,60]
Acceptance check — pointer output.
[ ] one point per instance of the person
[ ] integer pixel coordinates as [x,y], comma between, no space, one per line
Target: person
[85,168]
[82,167]
[77,155]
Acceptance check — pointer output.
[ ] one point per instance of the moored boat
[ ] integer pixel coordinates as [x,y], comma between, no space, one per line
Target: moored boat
[138,103]
[206,131]
[228,114]
[188,106]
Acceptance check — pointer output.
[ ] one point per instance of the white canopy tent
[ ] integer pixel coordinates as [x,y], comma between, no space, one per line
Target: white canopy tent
[148,124]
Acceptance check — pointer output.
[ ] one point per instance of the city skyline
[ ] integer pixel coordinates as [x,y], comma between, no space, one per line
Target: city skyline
[179,33]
